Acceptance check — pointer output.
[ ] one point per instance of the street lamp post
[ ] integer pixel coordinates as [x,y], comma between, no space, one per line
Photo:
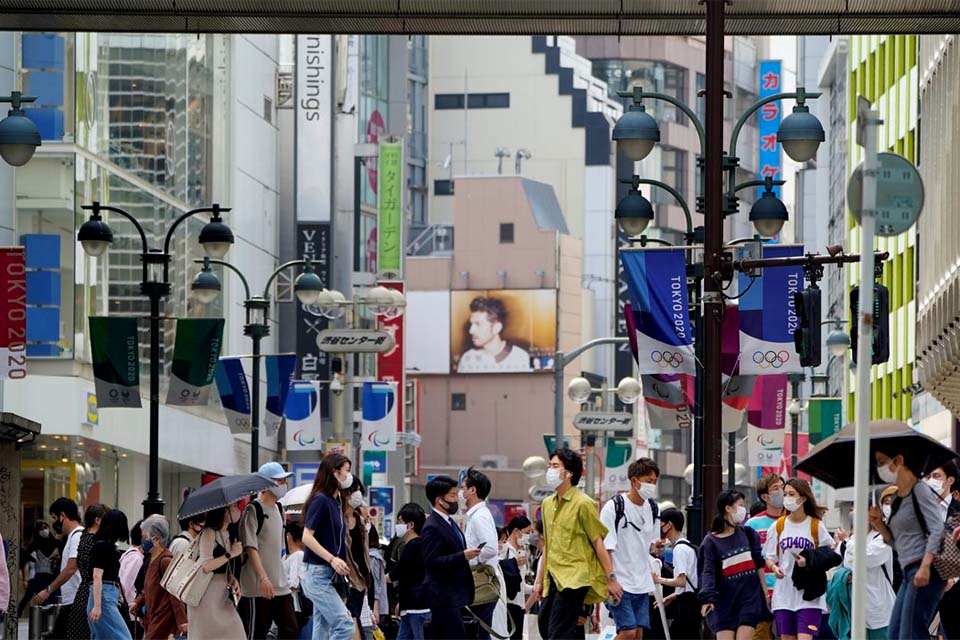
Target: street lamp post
[561,360]
[308,289]
[95,236]
[19,136]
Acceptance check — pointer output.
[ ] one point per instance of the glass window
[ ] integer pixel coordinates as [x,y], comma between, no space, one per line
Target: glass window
[443,187]
[506,233]
[673,169]
[488,101]
[448,101]
[458,402]
[656,77]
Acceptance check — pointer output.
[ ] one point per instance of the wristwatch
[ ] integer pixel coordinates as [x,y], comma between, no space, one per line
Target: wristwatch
[611,576]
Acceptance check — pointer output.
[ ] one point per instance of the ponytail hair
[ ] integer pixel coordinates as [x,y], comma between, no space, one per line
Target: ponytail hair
[724,500]
[810,506]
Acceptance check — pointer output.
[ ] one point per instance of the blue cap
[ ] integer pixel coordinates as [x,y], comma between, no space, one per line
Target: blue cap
[274,471]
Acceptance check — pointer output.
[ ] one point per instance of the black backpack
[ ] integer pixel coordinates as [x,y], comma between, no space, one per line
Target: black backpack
[261,516]
[619,510]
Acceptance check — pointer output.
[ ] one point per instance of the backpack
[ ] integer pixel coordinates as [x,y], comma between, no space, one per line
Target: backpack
[261,516]
[696,554]
[814,531]
[620,508]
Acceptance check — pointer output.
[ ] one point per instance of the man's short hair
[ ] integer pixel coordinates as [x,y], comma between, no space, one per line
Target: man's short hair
[439,487]
[674,517]
[757,507]
[643,466]
[67,507]
[763,485]
[951,470]
[571,461]
[493,307]
[413,515]
[479,481]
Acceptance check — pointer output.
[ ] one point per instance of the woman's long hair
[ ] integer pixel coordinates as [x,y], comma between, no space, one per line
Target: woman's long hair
[810,506]
[724,500]
[326,481]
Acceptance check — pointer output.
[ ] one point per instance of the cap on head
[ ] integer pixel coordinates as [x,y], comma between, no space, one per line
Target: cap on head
[889,491]
[274,471]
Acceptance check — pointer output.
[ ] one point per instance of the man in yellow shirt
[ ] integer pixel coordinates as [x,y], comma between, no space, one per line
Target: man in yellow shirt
[575,568]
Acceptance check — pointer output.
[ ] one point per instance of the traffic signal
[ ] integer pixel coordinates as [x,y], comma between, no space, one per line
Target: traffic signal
[806,336]
[881,322]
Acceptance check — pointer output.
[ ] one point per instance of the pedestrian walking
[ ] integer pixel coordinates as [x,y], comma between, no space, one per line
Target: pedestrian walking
[880,593]
[380,609]
[220,552]
[409,574]
[294,567]
[264,590]
[481,533]
[165,615]
[106,596]
[732,585]
[943,480]
[575,569]
[517,550]
[915,530]
[682,606]
[799,550]
[770,492]
[358,551]
[79,627]
[66,523]
[448,582]
[131,564]
[38,564]
[633,526]
[325,539]
[190,528]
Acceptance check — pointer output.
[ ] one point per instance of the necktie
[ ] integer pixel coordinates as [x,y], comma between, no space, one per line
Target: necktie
[453,525]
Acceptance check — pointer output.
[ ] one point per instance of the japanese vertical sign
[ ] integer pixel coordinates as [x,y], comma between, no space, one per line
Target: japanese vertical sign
[313,243]
[390,364]
[768,316]
[314,128]
[768,156]
[657,280]
[13,313]
[379,416]
[390,220]
[116,361]
[234,394]
[195,356]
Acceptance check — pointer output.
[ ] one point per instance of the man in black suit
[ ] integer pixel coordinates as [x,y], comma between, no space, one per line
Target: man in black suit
[448,585]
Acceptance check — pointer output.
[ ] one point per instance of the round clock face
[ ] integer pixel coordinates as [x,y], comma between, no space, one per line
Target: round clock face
[899,194]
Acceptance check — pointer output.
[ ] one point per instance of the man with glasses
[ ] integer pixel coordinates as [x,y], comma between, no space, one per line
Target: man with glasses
[263,581]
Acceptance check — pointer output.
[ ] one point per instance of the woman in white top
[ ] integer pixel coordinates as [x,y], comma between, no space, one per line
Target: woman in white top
[796,617]
[518,532]
[880,593]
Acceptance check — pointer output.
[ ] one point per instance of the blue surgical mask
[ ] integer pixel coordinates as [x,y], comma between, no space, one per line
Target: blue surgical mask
[147,545]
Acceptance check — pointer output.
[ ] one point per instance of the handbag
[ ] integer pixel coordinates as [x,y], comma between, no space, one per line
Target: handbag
[185,578]
[486,584]
[947,559]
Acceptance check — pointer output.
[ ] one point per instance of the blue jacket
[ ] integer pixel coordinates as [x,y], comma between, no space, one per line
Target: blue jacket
[838,599]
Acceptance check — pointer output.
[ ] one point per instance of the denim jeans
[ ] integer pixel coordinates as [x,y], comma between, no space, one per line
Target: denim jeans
[914,608]
[411,626]
[110,626]
[330,616]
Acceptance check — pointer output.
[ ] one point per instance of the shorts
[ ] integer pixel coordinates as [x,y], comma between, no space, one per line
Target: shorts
[790,623]
[633,611]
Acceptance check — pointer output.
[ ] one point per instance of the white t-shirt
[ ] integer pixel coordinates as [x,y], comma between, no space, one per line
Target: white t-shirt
[630,544]
[880,594]
[685,562]
[68,590]
[480,361]
[794,539]
[293,565]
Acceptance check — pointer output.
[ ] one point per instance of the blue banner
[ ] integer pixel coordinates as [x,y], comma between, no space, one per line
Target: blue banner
[768,316]
[234,394]
[280,370]
[768,154]
[302,411]
[657,281]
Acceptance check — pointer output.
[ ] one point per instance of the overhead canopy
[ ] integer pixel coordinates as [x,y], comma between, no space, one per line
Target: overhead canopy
[520,17]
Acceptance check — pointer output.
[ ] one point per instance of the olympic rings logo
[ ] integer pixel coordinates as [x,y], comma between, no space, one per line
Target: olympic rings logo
[667,359]
[771,359]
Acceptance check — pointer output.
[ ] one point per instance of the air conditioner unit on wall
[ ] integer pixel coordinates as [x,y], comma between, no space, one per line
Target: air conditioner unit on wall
[493,461]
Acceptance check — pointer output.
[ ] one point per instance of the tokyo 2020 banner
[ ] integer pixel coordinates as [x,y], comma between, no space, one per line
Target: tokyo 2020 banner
[768,316]
[657,281]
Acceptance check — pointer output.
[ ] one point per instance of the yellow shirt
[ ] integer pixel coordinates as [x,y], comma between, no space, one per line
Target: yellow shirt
[570,524]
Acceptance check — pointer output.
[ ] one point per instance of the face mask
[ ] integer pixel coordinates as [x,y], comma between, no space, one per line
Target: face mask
[234,513]
[401,530]
[647,490]
[368,526]
[356,499]
[936,485]
[791,504]
[525,540]
[147,545]
[886,474]
[553,478]
[740,515]
[451,507]
[44,533]
[57,527]
[347,481]
[663,533]
[776,500]
[886,510]
[279,491]
[460,497]
[534,539]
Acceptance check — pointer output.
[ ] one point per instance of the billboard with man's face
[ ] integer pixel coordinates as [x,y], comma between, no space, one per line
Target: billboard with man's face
[503,330]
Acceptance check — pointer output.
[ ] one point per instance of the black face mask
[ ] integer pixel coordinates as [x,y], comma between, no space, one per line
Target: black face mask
[451,507]
[57,527]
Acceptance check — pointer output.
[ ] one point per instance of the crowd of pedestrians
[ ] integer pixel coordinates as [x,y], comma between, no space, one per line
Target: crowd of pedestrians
[449,572]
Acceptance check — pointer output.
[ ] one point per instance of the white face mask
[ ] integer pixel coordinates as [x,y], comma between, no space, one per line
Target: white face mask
[401,530]
[356,499]
[936,485]
[347,481]
[886,510]
[553,478]
[460,497]
[647,490]
[44,533]
[740,515]
[279,491]
[791,504]
[525,540]
[887,474]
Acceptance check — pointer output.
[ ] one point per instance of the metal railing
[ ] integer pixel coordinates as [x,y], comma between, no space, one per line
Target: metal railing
[434,239]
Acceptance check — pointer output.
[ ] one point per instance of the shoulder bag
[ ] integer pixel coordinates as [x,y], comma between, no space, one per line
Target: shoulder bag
[185,578]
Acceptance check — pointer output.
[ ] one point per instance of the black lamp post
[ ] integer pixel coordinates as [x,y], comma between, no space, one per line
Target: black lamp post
[309,290]
[96,236]
[19,136]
